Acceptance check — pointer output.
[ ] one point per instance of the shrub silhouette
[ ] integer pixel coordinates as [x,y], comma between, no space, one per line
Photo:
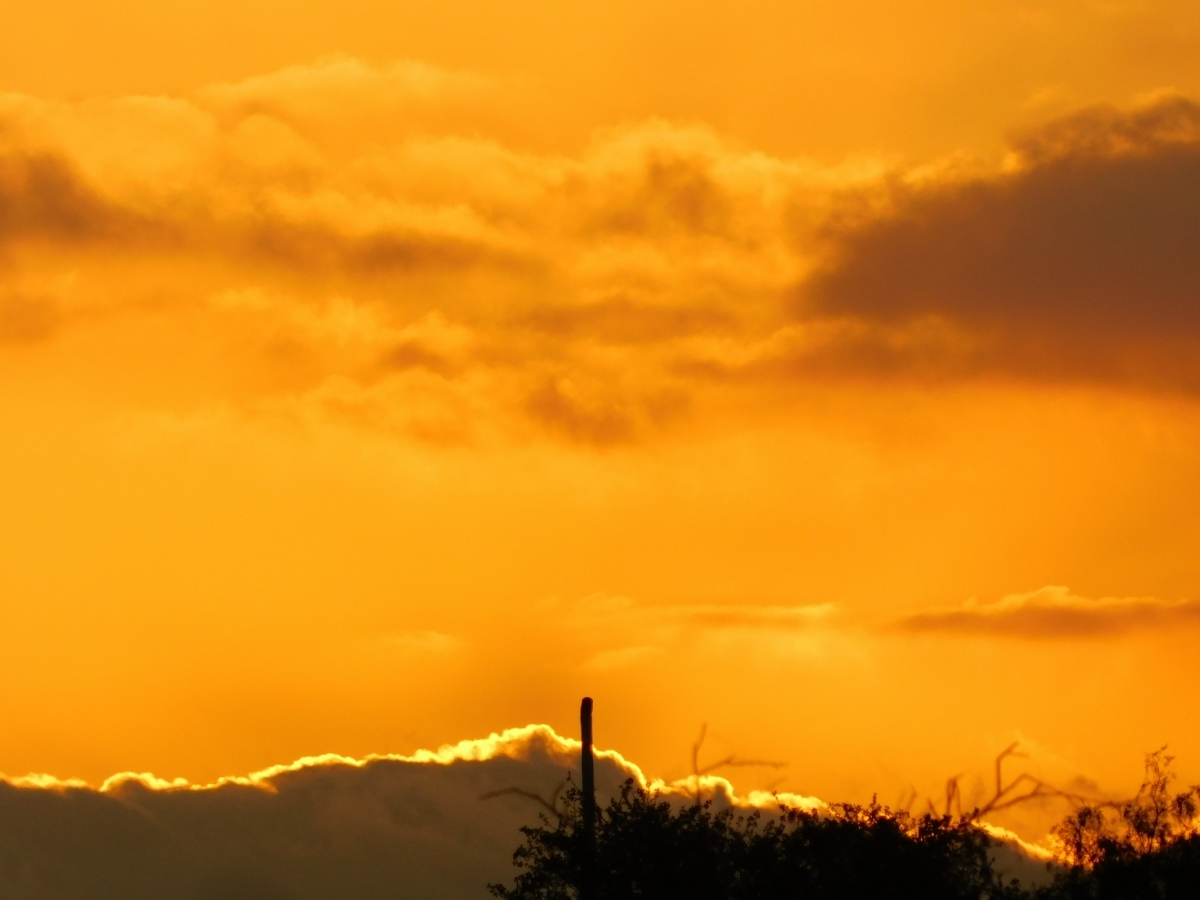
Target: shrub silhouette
[645,848]
[1145,849]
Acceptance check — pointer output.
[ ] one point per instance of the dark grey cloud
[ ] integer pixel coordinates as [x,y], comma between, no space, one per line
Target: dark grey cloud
[598,421]
[421,828]
[1053,612]
[674,194]
[276,240]
[386,829]
[41,195]
[1081,262]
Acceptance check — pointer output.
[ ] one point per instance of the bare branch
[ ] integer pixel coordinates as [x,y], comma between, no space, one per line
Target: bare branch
[733,761]
[728,761]
[550,805]
[1010,750]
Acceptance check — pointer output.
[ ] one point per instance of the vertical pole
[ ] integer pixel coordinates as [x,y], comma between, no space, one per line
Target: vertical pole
[589,769]
[588,761]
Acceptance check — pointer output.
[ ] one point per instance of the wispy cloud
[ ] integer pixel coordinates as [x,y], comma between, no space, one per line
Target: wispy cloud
[710,616]
[423,643]
[617,632]
[27,319]
[1054,612]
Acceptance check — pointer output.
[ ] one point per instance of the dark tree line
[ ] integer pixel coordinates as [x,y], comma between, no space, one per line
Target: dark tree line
[646,848]
[643,847]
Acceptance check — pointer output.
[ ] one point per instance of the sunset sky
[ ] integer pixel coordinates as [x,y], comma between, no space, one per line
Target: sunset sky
[378,375]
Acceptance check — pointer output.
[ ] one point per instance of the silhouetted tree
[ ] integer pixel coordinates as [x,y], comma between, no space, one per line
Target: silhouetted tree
[1145,849]
[641,846]
[645,848]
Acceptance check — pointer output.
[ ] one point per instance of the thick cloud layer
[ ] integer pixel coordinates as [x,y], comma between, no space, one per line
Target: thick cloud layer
[434,825]
[383,828]
[1077,263]
[350,244]
[421,827]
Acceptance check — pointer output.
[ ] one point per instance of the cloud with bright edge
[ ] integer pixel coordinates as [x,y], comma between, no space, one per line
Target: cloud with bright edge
[329,826]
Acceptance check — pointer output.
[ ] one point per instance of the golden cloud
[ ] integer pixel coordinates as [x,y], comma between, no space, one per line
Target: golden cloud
[615,632]
[660,276]
[26,319]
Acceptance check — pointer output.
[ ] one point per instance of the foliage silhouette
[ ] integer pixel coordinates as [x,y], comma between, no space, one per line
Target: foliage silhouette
[1145,849]
[646,848]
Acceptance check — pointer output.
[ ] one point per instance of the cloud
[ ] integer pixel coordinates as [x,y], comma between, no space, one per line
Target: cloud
[584,282]
[717,617]
[623,320]
[656,278]
[424,643]
[1054,612]
[335,99]
[615,632]
[42,196]
[751,617]
[622,657]
[277,239]
[597,414]
[26,319]
[322,827]
[1075,263]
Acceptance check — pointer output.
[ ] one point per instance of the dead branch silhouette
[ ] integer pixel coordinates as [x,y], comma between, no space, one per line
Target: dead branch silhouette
[907,799]
[551,805]
[1024,788]
[727,762]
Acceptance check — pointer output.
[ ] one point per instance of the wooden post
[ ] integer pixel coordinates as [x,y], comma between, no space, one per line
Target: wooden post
[589,769]
[588,890]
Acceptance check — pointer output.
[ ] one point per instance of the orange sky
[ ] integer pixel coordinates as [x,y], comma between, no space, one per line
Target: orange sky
[374,376]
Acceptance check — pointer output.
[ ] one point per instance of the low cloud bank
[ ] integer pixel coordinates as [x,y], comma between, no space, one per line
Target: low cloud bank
[422,826]
[327,827]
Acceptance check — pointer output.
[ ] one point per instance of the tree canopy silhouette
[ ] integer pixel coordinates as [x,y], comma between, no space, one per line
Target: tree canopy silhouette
[645,847]
[641,846]
[1147,848]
